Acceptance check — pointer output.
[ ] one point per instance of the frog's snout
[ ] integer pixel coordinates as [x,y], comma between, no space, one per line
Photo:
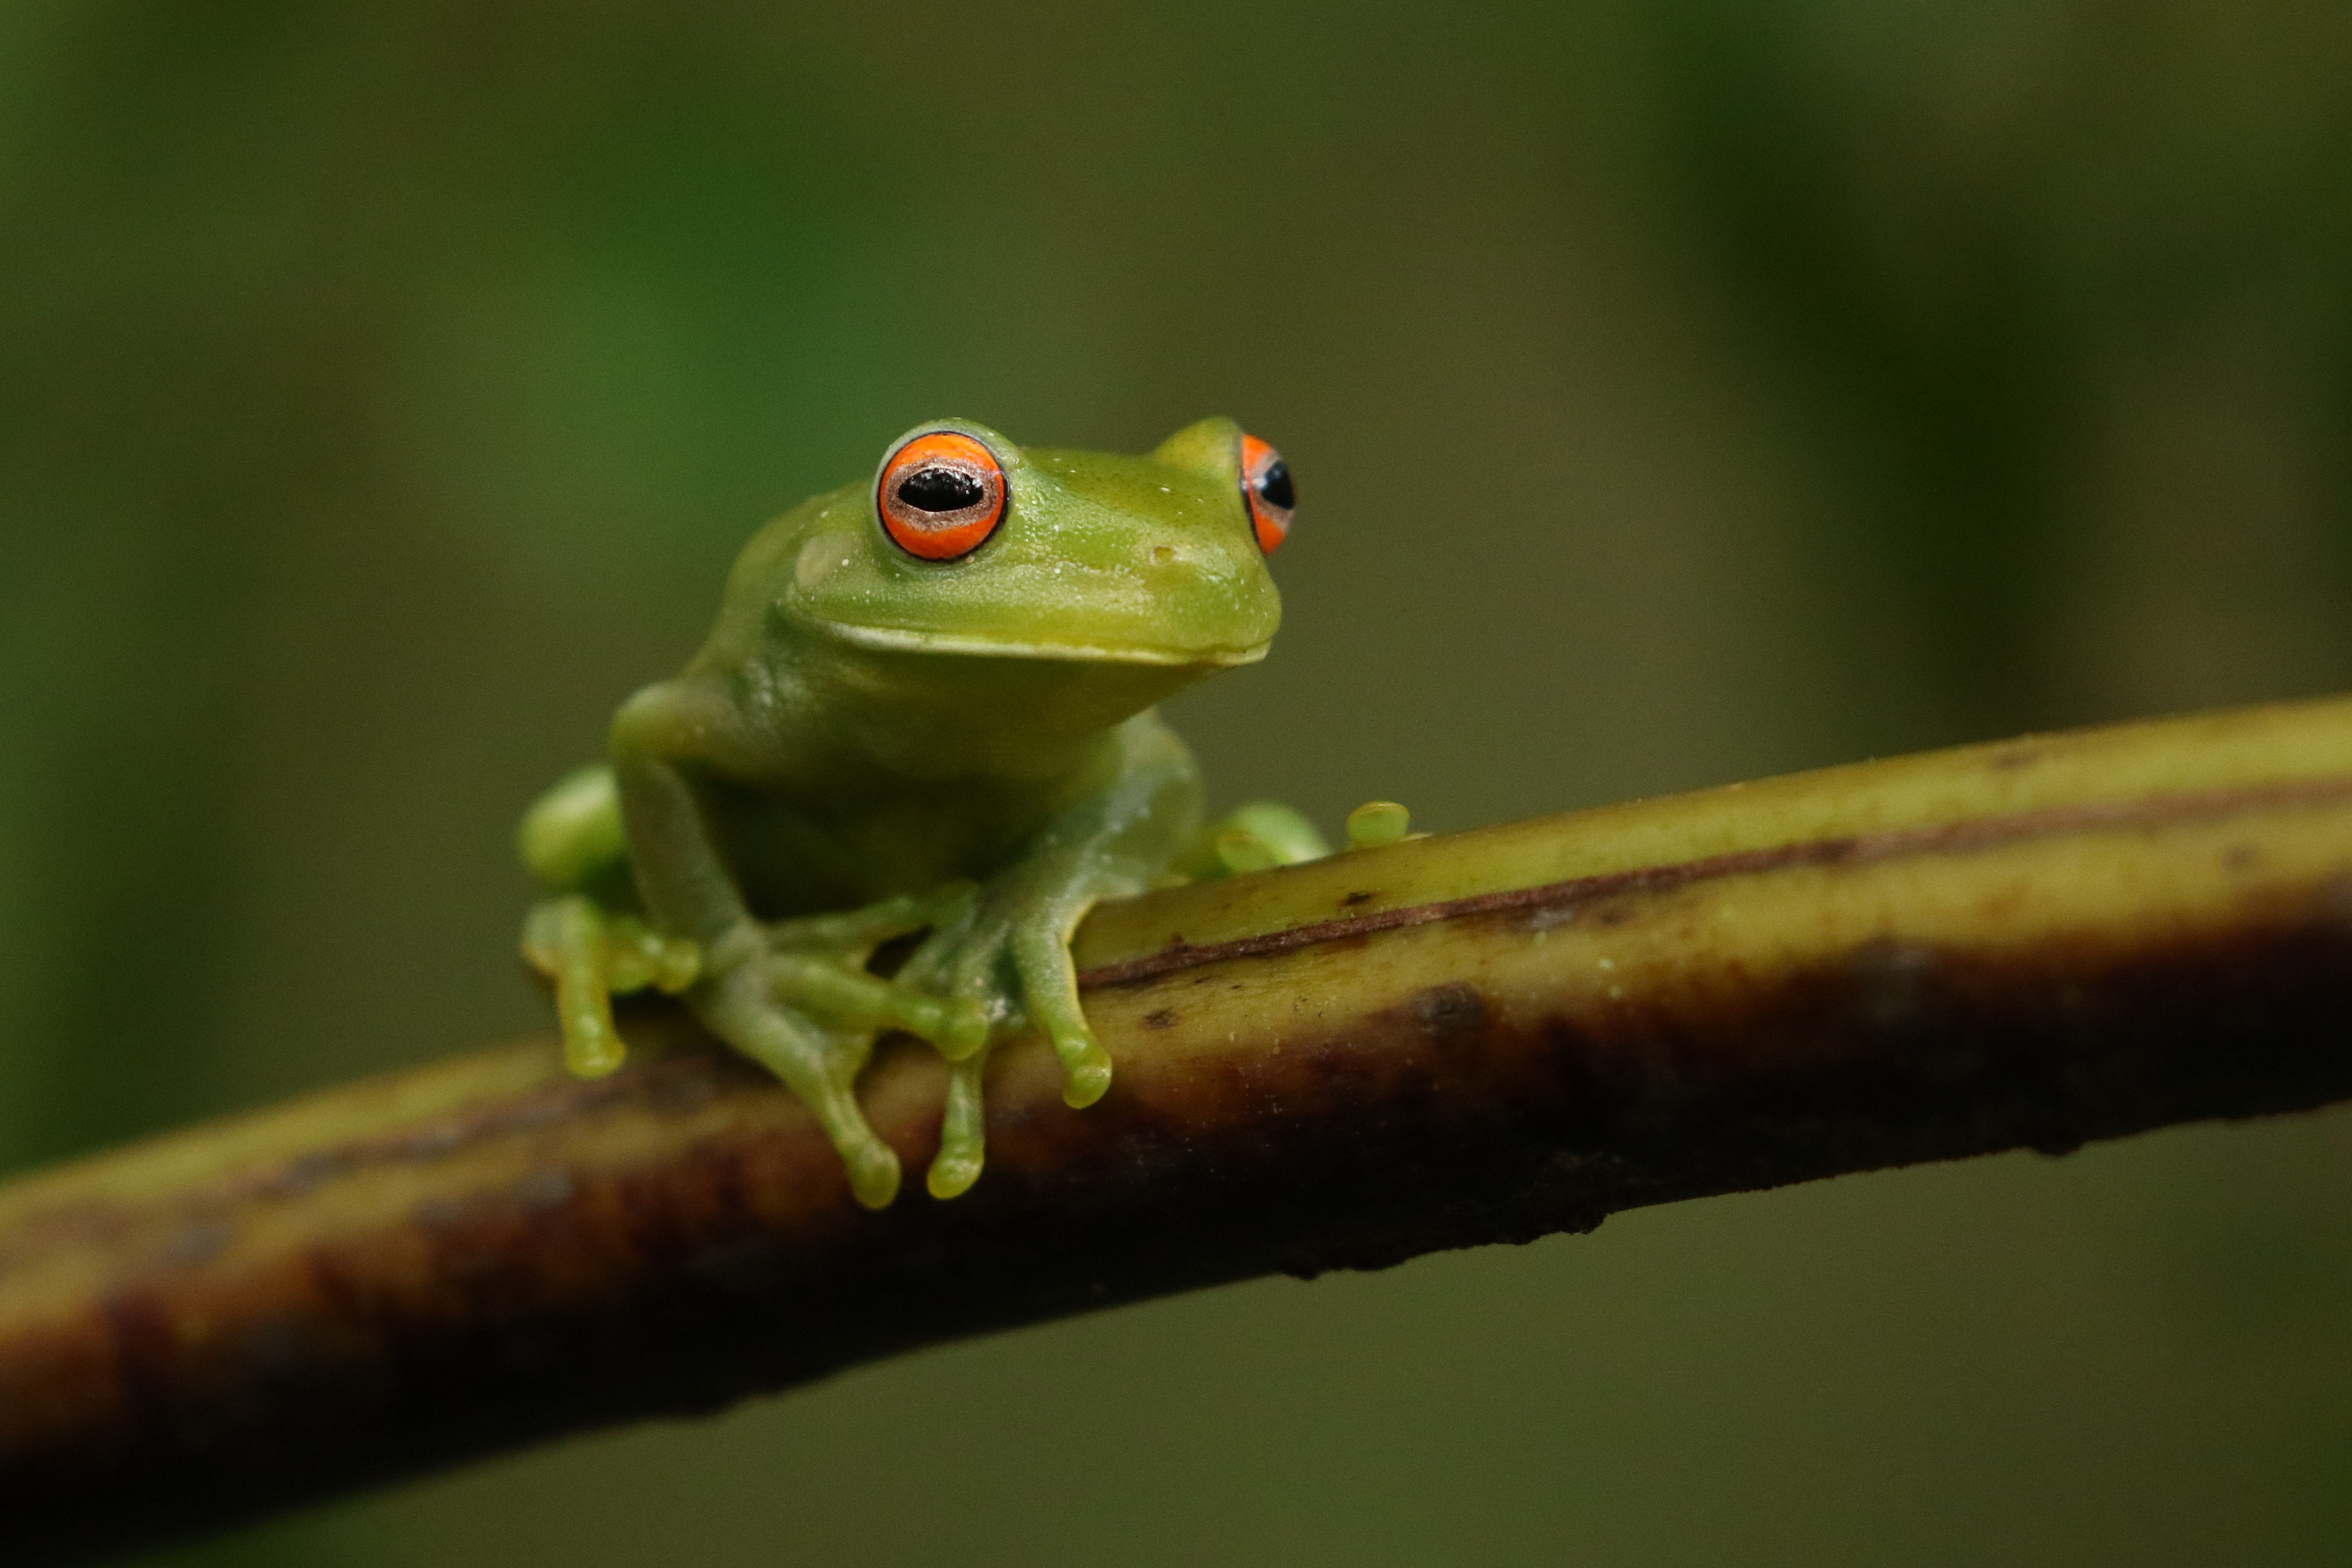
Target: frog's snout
[1169,565]
[1176,571]
[1207,599]
[1168,562]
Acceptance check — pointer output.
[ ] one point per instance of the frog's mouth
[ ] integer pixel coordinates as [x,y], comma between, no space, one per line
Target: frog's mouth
[894,640]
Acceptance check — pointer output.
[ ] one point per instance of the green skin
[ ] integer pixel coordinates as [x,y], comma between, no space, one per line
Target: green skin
[965,747]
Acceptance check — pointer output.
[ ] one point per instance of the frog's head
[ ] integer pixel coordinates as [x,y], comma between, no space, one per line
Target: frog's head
[966,544]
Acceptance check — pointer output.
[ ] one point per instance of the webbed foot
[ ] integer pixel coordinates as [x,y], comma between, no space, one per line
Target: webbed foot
[819,1065]
[1007,955]
[797,997]
[818,965]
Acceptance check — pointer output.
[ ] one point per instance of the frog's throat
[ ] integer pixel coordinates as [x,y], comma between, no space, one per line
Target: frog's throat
[897,640]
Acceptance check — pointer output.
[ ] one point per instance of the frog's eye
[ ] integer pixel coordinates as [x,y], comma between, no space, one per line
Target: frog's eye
[941,496]
[1265,485]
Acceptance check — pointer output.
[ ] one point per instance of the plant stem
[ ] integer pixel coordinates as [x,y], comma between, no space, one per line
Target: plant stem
[1446,1042]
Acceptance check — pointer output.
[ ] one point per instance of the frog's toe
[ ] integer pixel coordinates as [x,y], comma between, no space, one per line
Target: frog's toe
[819,1065]
[1253,837]
[873,1173]
[1377,822]
[569,939]
[954,1172]
[957,1026]
[1085,1072]
[962,1129]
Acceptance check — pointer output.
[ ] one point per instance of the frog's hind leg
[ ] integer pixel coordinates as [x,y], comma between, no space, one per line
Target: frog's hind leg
[593,956]
[564,939]
[572,838]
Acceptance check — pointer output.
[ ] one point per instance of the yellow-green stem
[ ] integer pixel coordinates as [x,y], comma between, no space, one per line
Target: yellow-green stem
[1440,1042]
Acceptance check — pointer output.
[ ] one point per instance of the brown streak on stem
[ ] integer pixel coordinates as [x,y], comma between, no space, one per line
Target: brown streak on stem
[1923,959]
[1943,838]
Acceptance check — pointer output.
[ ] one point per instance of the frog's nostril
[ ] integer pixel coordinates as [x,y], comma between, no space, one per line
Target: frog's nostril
[1162,554]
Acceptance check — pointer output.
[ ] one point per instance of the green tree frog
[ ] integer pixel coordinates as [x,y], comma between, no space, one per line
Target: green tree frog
[925,707]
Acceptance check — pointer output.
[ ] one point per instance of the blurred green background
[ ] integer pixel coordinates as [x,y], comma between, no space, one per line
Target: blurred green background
[1679,391]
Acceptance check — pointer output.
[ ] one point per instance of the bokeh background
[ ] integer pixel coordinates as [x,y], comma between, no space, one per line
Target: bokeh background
[1680,390]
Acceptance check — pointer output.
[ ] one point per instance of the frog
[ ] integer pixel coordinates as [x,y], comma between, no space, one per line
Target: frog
[923,726]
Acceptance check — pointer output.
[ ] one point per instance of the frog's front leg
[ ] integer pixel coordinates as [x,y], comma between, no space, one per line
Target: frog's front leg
[1009,954]
[793,996]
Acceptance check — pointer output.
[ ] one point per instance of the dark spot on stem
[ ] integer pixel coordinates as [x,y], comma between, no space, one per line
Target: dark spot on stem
[1891,980]
[192,1244]
[544,1188]
[2335,902]
[436,1212]
[1451,1011]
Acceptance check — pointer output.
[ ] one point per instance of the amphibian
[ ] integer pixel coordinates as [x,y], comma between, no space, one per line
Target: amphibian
[927,705]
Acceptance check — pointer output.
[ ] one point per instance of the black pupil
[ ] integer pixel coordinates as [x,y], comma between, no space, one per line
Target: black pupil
[1274,486]
[949,489]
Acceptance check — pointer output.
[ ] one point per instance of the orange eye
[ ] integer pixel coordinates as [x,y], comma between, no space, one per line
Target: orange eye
[1265,485]
[941,496]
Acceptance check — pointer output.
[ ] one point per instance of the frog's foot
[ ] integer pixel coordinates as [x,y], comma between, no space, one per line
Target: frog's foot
[818,965]
[1253,837]
[593,954]
[1008,956]
[1379,823]
[797,997]
[818,1064]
